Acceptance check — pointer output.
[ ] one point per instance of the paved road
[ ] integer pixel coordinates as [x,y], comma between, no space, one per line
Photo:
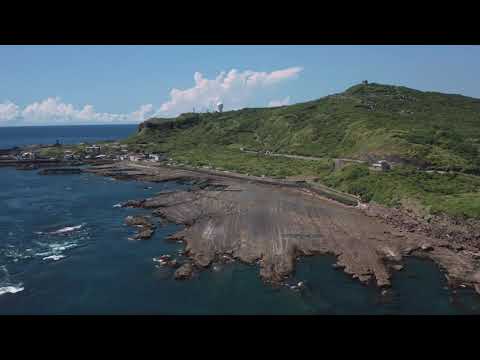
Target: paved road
[301,157]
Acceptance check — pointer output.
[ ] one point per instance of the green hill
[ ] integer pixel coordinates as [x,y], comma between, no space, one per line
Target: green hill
[364,122]
[424,130]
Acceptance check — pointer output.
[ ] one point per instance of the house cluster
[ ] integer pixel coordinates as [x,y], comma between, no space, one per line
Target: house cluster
[112,152]
[143,157]
[79,153]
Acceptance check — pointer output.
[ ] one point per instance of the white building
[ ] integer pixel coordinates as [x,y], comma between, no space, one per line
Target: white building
[136,157]
[155,157]
[93,149]
[28,156]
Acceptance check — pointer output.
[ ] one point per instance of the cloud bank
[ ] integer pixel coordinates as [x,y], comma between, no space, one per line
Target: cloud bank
[234,88]
[53,111]
[8,111]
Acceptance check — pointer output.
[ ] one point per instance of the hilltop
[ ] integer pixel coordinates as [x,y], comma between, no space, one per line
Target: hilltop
[370,121]
[416,130]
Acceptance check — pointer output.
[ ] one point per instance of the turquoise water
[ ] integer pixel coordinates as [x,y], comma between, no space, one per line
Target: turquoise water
[102,272]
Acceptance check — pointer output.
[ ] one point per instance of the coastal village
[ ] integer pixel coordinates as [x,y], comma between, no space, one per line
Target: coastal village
[36,156]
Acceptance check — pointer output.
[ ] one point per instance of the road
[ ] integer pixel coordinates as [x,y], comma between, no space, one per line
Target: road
[301,157]
[319,189]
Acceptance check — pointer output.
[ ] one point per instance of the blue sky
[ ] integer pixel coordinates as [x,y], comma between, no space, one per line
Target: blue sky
[47,85]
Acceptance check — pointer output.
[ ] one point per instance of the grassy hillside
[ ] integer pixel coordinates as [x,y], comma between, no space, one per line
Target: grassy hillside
[366,121]
[370,122]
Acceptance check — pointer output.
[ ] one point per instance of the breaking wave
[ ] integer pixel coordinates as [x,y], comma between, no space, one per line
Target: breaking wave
[66,230]
[54,257]
[47,246]
[6,286]
[11,289]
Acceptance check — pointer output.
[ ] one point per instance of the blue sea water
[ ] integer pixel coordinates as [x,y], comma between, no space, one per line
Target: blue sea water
[29,135]
[95,269]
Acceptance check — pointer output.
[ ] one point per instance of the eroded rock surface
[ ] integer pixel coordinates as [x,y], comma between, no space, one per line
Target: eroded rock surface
[273,225]
[184,272]
[145,227]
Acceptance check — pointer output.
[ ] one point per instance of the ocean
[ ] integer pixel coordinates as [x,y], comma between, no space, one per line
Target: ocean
[64,249]
[44,135]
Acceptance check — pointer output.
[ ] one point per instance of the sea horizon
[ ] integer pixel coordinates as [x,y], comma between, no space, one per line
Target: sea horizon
[17,136]
[56,125]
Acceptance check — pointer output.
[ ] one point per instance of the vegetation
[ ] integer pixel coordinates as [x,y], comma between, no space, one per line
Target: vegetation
[52,152]
[257,165]
[418,130]
[452,193]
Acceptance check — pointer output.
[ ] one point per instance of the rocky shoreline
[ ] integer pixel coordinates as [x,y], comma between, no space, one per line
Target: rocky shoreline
[272,225]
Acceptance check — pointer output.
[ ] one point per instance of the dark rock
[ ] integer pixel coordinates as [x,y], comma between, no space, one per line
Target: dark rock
[184,272]
[146,228]
[144,234]
[165,260]
[139,221]
[133,203]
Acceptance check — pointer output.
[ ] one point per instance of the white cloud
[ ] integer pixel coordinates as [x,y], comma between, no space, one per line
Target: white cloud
[53,110]
[281,102]
[8,111]
[233,88]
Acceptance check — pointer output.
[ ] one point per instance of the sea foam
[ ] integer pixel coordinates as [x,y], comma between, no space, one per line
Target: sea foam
[11,289]
[6,287]
[54,257]
[67,229]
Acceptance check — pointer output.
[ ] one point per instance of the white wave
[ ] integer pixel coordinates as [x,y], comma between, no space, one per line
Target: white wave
[54,253]
[43,253]
[62,247]
[6,287]
[67,229]
[54,257]
[117,205]
[11,289]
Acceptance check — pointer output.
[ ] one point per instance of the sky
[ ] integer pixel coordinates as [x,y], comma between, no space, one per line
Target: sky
[61,85]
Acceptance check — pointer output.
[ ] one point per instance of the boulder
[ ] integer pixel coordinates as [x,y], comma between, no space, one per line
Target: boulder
[184,272]
[144,234]
[133,203]
[138,221]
